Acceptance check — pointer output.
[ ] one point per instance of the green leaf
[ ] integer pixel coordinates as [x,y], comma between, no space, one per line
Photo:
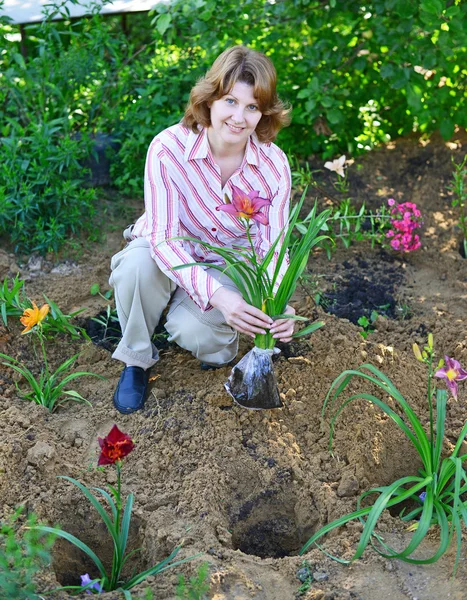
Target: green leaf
[387,71]
[334,116]
[453,11]
[163,23]
[446,128]
[76,542]
[432,6]
[309,329]
[405,9]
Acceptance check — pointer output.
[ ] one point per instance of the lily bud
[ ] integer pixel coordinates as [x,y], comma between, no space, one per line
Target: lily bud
[430,341]
[440,364]
[424,355]
[416,351]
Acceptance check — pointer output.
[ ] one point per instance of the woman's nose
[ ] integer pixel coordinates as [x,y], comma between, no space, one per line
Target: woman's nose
[238,114]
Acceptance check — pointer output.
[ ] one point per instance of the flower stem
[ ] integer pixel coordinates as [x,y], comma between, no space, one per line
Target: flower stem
[44,353]
[430,404]
[117,559]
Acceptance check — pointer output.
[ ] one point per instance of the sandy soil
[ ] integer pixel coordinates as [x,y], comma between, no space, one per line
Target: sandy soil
[247,489]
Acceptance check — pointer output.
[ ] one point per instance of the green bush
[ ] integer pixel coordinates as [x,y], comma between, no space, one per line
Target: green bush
[355,75]
[43,200]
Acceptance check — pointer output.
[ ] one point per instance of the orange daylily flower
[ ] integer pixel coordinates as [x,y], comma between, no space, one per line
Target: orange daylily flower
[33,316]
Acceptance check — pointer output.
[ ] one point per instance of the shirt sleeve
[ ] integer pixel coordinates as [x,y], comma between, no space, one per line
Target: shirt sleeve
[278,217]
[161,201]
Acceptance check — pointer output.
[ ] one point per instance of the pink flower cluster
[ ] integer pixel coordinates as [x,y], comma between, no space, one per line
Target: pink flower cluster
[405,218]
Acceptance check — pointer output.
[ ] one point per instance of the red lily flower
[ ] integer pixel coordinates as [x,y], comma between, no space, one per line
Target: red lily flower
[115,446]
[246,206]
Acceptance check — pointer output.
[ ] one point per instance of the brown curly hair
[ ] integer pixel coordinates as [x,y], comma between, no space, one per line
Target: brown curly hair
[247,66]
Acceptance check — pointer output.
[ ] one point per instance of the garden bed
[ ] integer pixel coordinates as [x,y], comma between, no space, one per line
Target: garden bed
[245,488]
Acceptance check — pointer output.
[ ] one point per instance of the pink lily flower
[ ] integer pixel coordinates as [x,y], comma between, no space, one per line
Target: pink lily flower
[452,372]
[246,206]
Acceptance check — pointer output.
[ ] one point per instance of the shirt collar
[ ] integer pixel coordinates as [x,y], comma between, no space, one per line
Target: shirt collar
[197,146]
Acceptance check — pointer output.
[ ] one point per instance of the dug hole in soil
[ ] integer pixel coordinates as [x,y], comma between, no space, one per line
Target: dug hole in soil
[247,489]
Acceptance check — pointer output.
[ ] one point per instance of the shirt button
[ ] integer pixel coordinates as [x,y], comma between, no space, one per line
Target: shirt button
[213,229]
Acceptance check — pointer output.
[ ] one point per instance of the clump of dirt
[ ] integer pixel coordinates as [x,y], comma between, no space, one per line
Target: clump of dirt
[360,285]
[246,489]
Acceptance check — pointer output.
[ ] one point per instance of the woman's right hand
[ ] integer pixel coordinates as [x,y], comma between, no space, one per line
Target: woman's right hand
[239,314]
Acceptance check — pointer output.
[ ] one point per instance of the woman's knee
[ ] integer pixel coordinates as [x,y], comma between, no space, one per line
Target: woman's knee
[127,264]
[199,338]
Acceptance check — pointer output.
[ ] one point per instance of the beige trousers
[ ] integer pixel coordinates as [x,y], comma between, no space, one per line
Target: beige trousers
[142,292]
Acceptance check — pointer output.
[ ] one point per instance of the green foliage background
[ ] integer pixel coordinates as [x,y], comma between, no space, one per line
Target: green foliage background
[356,74]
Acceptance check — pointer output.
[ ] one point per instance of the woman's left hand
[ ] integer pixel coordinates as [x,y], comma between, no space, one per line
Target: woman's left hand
[284,328]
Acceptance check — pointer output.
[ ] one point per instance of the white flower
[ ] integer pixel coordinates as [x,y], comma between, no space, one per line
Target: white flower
[336,165]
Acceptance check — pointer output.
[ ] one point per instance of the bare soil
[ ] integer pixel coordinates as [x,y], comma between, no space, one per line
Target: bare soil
[246,489]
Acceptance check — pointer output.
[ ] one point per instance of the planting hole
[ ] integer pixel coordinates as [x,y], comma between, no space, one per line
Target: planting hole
[268,537]
[266,524]
[69,562]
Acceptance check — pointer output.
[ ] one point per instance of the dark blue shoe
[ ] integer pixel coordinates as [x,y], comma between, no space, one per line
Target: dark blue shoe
[131,390]
[207,367]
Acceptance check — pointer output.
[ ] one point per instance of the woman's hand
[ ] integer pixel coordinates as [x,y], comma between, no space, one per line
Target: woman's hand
[239,314]
[283,328]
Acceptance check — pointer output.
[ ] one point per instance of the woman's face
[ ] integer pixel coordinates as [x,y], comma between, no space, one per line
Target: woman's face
[234,117]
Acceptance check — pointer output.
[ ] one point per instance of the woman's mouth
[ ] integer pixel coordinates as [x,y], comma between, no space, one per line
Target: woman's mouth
[234,129]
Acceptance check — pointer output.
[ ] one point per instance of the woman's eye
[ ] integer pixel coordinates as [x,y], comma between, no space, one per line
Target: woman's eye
[229,100]
[252,107]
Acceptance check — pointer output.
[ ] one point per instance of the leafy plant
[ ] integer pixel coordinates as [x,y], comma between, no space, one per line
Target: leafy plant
[96,291]
[43,197]
[49,387]
[437,491]
[197,586]
[14,301]
[302,175]
[114,447]
[24,551]
[367,323]
[459,200]
[253,276]
[105,321]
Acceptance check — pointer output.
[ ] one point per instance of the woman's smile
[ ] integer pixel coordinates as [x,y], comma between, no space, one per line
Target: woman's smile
[234,118]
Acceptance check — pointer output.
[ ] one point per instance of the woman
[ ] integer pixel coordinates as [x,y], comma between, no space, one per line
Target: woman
[224,140]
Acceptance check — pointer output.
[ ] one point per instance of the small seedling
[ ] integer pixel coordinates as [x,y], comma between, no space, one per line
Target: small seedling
[95,290]
[198,586]
[367,323]
[305,576]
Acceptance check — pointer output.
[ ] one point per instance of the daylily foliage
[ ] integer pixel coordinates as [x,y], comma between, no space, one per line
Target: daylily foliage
[116,515]
[439,488]
[252,274]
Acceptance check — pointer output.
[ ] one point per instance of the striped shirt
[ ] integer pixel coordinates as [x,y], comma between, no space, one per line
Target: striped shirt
[182,187]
